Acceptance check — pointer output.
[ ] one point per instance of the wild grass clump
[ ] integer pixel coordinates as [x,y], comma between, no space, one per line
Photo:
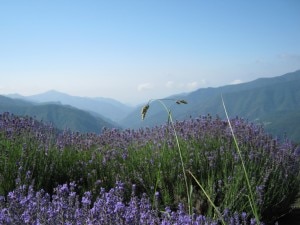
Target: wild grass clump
[68,175]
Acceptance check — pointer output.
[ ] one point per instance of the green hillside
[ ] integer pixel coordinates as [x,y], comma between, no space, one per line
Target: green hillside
[274,102]
[283,123]
[62,116]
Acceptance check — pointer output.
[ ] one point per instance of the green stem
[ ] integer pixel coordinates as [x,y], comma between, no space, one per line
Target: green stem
[170,119]
[251,198]
[209,199]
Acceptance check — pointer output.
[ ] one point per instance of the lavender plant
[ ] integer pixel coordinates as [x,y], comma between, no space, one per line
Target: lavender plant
[25,206]
[37,164]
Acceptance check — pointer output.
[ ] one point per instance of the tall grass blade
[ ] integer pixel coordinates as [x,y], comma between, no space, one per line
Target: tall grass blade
[251,197]
[208,198]
[170,121]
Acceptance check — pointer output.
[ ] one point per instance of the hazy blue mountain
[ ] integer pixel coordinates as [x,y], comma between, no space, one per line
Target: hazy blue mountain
[274,102]
[62,116]
[106,107]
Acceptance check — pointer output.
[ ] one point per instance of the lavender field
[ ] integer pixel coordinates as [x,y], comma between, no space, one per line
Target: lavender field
[136,176]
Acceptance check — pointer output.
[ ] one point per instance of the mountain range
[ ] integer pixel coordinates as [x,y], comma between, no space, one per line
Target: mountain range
[273,102]
[105,107]
[61,116]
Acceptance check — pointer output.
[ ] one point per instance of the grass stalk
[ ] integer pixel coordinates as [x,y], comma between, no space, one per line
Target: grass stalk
[170,121]
[208,198]
[251,196]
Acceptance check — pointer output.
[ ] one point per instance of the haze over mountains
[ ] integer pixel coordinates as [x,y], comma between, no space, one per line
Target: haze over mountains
[273,102]
[61,116]
[106,107]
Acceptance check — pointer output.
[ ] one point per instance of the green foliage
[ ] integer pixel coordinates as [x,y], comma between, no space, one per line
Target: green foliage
[149,158]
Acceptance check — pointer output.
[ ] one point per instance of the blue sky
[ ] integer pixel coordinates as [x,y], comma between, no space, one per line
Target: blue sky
[136,50]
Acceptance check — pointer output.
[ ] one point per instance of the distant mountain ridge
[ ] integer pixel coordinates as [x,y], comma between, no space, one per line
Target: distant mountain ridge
[61,116]
[105,107]
[273,102]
